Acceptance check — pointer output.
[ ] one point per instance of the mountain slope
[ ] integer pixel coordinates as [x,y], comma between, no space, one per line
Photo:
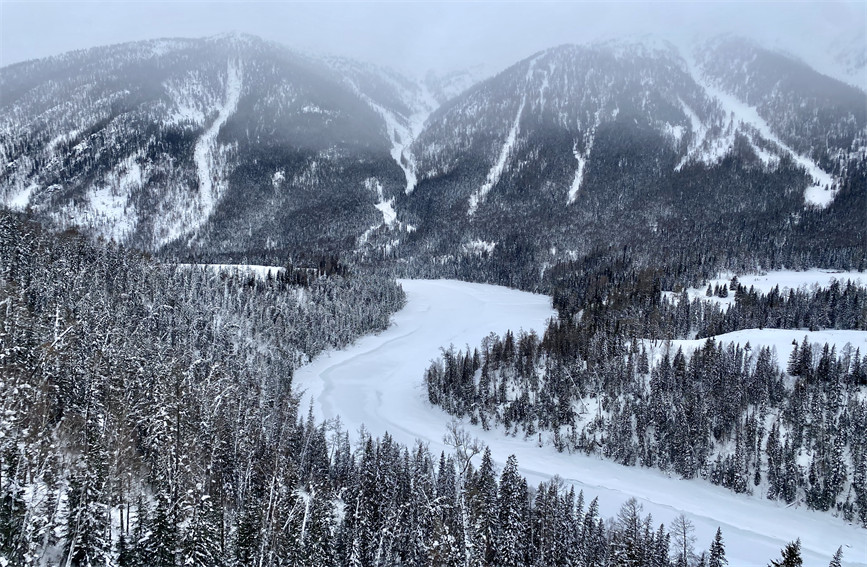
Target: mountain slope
[197,143]
[631,144]
[231,146]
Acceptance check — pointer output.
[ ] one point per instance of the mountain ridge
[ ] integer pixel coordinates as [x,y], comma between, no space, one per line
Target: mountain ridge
[232,144]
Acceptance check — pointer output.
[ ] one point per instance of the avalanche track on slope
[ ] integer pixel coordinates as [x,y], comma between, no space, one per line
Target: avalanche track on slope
[377,383]
[823,189]
[402,132]
[206,145]
[497,170]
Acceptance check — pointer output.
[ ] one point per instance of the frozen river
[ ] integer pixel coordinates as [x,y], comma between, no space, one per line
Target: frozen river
[377,382]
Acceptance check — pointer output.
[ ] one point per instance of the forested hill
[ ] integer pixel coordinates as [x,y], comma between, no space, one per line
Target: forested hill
[128,384]
[147,415]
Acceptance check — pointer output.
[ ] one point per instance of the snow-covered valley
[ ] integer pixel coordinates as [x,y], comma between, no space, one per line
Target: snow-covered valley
[377,383]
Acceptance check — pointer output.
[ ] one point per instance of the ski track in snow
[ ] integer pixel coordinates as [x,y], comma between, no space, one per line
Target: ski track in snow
[206,144]
[748,115]
[377,383]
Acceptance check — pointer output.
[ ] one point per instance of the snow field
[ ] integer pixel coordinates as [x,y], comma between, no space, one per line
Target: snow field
[377,383]
[778,340]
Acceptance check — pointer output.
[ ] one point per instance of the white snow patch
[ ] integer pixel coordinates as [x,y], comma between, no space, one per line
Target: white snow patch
[118,219]
[258,271]
[675,132]
[589,137]
[389,215]
[479,246]
[313,109]
[387,210]
[780,341]
[107,208]
[377,382]
[278,178]
[386,207]
[20,200]
[579,173]
[497,170]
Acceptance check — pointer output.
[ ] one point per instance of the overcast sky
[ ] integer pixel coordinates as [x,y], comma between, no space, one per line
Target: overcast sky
[416,36]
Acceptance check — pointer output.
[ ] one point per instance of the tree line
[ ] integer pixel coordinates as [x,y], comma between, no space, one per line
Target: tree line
[725,412]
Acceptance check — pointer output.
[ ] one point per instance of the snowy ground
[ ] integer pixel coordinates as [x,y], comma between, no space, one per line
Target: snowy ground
[377,382]
[779,340]
[786,279]
[260,272]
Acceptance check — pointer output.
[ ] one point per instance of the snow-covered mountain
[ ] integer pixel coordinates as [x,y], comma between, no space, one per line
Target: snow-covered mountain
[230,144]
[196,143]
[614,140]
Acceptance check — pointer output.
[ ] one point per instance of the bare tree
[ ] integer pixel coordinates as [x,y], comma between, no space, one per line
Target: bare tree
[465,447]
[682,538]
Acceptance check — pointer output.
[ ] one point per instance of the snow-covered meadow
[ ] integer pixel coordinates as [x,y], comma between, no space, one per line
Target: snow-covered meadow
[377,383]
[764,283]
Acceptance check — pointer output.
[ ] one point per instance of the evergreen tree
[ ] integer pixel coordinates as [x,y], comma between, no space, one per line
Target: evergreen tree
[717,555]
[511,500]
[791,556]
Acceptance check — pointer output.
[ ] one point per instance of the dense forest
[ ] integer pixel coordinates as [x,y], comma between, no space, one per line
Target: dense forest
[148,419]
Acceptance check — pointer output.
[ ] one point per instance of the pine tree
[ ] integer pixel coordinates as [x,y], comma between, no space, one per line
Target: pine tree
[717,556]
[511,499]
[837,560]
[627,546]
[791,556]
[482,502]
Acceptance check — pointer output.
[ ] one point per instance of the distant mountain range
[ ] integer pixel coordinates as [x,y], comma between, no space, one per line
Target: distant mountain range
[233,146]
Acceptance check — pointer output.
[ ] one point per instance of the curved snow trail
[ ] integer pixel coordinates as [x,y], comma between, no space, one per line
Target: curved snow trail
[206,144]
[377,382]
